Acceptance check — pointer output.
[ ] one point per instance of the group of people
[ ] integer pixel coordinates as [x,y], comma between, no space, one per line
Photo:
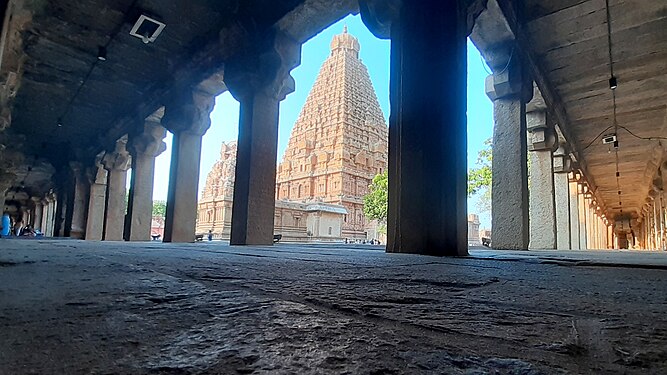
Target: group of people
[371,241]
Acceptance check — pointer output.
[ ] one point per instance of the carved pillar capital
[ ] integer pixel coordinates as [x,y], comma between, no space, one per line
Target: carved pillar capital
[189,112]
[149,140]
[510,78]
[542,133]
[266,68]
[96,173]
[562,162]
[119,159]
[379,15]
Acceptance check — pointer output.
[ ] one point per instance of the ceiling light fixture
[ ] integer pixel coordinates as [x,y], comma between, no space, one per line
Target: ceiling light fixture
[147,29]
[613,83]
[102,53]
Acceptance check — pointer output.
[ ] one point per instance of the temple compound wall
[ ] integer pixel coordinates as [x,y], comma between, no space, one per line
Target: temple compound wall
[295,221]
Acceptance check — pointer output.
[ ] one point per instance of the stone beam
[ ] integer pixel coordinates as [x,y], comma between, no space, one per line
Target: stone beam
[312,16]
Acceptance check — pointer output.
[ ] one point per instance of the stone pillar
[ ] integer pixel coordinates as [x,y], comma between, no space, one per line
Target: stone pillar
[427,127]
[590,243]
[259,88]
[96,202]
[582,217]
[574,214]
[144,148]
[116,163]
[188,118]
[562,168]
[510,90]
[62,219]
[49,221]
[542,209]
[656,223]
[80,201]
[45,214]
[37,213]
[6,180]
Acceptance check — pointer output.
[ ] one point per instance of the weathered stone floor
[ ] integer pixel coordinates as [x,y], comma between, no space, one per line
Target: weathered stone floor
[71,307]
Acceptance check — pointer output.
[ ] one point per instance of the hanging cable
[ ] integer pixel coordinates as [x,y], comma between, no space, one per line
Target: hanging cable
[103,48]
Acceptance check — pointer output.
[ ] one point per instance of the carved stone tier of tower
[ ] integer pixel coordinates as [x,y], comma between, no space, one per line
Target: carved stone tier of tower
[215,205]
[339,141]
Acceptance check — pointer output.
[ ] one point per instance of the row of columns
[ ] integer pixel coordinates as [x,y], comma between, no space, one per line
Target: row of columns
[652,223]
[89,202]
[538,201]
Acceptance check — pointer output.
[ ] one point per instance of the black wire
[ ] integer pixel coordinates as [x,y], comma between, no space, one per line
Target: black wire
[113,35]
[627,130]
[611,65]
[638,137]
[598,136]
[503,69]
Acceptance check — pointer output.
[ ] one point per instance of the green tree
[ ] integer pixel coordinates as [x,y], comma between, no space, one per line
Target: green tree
[375,202]
[159,208]
[479,177]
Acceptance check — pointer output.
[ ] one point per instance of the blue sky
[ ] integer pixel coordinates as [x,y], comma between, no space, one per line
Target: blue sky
[375,54]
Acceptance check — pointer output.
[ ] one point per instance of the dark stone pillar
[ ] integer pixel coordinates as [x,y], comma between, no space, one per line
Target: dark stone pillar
[259,82]
[97,176]
[188,118]
[116,163]
[65,201]
[144,148]
[427,128]
[80,197]
[510,89]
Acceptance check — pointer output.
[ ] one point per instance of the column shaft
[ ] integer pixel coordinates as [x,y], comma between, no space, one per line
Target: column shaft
[181,212]
[79,205]
[582,221]
[542,207]
[427,131]
[140,209]
[37,216]
[95,223]
[144,147]
[562,195]
[115,205]
[574,217]
[254,186]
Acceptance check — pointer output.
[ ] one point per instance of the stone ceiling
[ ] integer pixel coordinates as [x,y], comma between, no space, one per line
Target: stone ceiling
[566,45]
[98,101]
[570,41]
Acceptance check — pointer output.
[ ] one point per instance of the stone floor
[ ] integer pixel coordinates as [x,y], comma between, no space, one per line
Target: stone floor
[71,307]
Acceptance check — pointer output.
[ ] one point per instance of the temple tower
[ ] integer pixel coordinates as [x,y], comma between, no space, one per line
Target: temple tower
[215,206]
[339,141]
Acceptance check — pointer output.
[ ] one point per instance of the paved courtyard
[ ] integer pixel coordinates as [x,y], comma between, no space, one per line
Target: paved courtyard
[73,307]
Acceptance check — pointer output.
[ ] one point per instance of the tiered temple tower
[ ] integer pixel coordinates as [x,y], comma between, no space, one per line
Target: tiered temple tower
[215,206]
[339,141]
